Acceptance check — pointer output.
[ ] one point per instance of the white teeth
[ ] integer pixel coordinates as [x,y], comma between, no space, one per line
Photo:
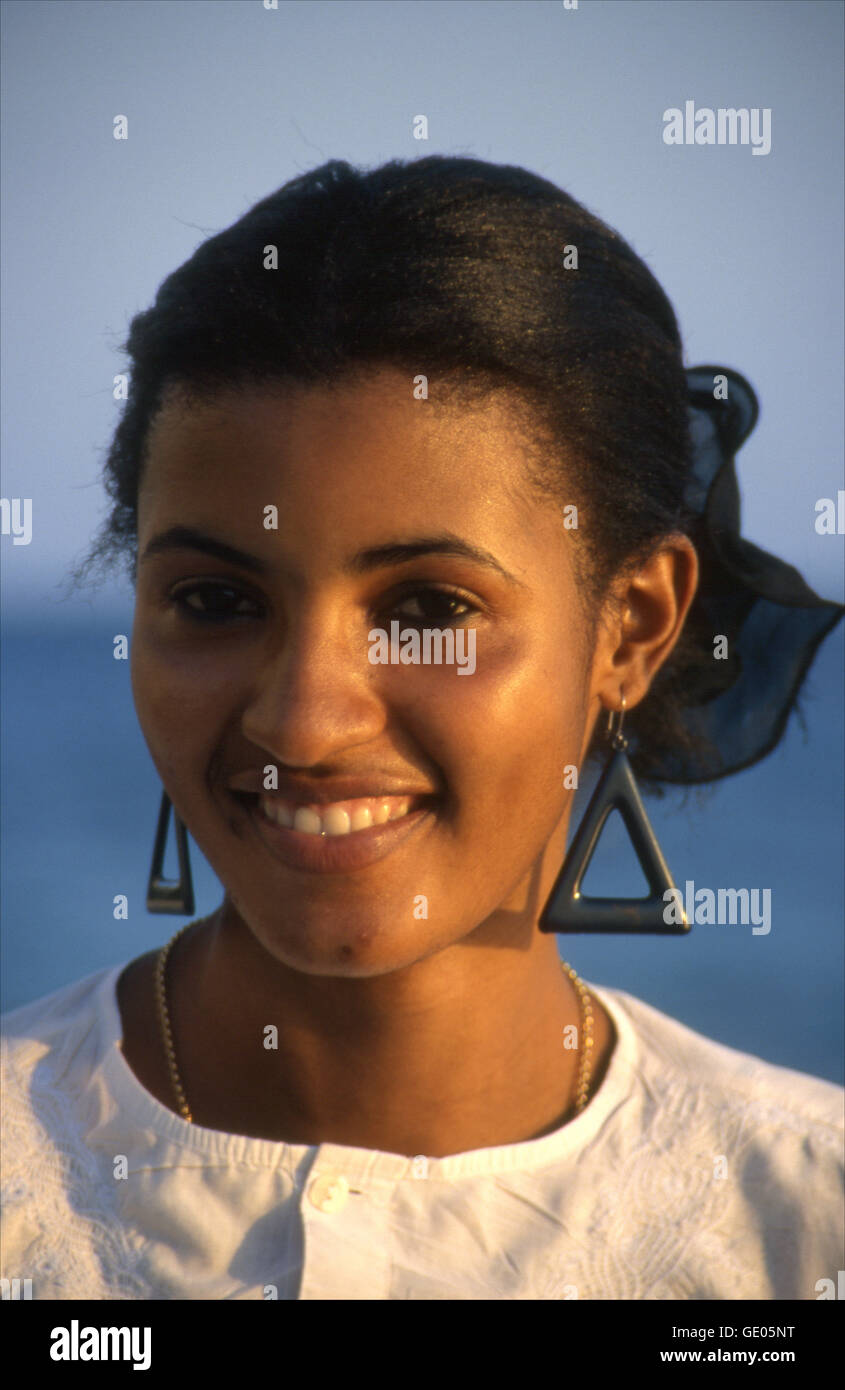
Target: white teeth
[339,818]
[307,820]
[336,821]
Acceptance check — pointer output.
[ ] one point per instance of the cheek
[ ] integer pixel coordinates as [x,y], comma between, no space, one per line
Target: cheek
[182,699]
[504,734]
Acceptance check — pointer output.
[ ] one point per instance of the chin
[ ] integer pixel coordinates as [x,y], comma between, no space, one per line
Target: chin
[349,943]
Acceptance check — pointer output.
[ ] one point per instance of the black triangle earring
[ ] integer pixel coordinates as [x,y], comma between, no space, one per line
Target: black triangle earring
[163,894]
[566,910]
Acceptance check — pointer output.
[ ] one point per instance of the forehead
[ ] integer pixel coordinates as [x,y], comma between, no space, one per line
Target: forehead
[359,418]
[359,456]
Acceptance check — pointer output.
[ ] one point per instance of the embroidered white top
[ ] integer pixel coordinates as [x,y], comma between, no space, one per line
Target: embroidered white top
[695,1172]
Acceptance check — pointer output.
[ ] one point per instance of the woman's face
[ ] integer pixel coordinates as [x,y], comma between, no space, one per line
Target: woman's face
[389,509]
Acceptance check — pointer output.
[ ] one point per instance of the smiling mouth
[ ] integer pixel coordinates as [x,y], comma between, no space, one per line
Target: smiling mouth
[338,817]
[337,837]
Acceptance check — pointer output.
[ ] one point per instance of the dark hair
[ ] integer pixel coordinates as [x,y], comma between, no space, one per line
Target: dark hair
[454,268]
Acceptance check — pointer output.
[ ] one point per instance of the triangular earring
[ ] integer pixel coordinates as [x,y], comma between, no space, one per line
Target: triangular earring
[163,894]
[566,910]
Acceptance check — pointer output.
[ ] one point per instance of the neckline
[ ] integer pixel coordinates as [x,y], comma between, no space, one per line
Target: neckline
[137,1108]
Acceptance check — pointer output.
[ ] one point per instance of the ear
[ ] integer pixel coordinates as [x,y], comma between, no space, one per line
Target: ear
[642,620]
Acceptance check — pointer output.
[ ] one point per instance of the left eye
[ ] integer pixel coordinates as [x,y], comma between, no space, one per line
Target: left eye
[433,606]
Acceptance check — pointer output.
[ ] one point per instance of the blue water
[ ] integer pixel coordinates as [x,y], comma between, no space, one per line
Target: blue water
[80,798]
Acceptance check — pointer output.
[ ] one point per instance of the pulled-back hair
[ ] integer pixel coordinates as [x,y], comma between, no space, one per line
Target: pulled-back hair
[456,269]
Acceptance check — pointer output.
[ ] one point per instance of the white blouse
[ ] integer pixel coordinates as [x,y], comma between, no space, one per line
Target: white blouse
[695,1172]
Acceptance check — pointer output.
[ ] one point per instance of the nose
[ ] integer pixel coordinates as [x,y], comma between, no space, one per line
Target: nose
[315,695]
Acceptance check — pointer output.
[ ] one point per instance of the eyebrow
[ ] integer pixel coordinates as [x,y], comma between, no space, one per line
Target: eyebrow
[375,557]
[397,552]
[187,538]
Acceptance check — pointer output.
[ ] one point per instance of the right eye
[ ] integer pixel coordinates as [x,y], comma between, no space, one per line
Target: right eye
[213,602]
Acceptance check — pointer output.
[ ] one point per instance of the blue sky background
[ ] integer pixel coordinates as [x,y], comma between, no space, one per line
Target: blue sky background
[226,101]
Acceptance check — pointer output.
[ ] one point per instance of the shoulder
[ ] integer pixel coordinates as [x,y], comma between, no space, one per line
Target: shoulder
[727,1170]
[672,1057]
[58,1224]
[60,1032]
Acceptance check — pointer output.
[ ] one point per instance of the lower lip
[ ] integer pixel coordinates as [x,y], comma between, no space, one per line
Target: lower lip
[333,854]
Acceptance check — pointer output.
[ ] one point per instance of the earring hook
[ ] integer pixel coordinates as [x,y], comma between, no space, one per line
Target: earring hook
[615,735]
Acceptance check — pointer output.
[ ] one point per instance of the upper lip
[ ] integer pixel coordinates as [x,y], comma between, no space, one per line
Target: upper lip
[323,793]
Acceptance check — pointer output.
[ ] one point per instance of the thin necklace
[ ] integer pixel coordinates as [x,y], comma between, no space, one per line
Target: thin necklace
[582,1085]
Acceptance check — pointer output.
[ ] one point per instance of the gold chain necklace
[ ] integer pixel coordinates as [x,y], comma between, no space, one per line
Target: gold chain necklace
[582,1086]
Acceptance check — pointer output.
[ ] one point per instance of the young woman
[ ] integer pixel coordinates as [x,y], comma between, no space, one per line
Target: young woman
[439,397]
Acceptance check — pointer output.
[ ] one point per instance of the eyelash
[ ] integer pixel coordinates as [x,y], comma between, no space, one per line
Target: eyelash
[180,597]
